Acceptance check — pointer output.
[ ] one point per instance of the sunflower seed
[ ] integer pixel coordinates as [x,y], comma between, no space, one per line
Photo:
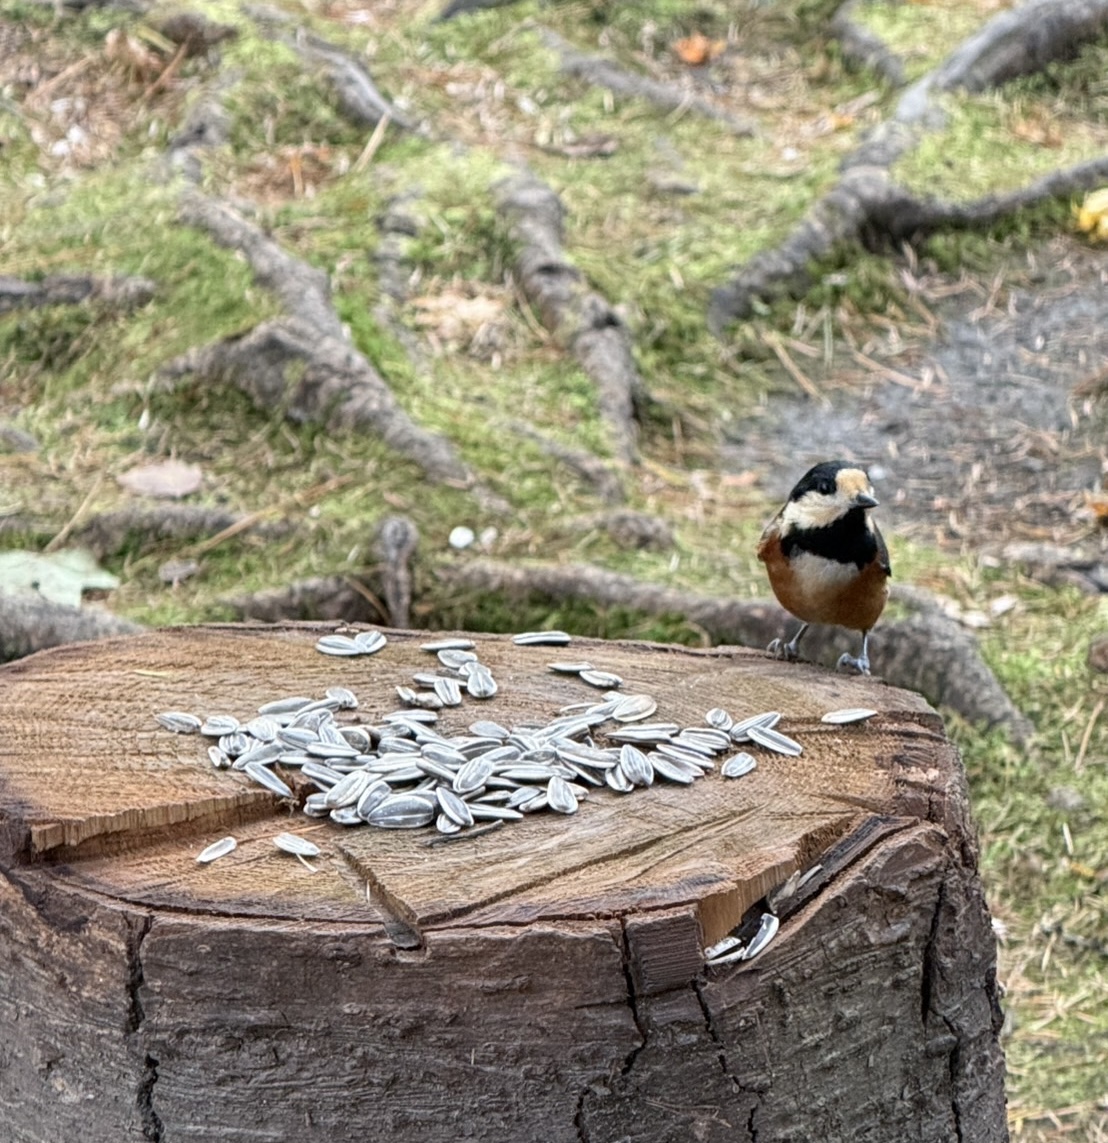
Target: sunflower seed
[263,755]
[179,722]
[453,659]
[448,691]
[349,789]
[737,954]
[320,774]
[485,729]
[369,642]
[704,738]
[454,807]
[775,741]
[346,699]
[766,932]
[649,732]
[617,780]
[566,668]
[337,645]
[290,705]
[480,683]
[604,679]
[373,796]
[738,765]
[217,725]
[632,708]
[474,774]
[314,807]
[401,811]
[559,796]
[851,714]
[216,850]
[675,769]
[740,731]
[218,759]
[484,812]
[721,948]
[541,639]
[345,816]
[265,777]
[448,645]
[719,718]
[447,825]
[292,843]
[637,768]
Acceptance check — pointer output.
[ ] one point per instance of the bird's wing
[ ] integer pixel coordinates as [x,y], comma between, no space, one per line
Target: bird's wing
[882,551]
[771,532]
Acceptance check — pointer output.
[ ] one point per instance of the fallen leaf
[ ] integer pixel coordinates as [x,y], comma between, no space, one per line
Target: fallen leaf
[165,480]
[1092,215]
[61,577]
[697,49]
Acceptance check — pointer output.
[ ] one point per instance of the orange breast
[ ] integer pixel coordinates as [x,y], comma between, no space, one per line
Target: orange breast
[819,590]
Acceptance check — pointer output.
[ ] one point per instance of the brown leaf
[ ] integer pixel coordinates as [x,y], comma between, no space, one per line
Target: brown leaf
[697,49]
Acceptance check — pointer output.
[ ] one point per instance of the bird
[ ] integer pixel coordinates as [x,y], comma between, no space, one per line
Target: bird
[826,559]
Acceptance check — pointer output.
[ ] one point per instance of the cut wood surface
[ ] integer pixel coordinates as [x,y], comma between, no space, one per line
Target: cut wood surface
[506,982]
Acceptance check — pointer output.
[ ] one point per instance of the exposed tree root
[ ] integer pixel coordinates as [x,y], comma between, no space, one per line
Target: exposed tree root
[581,319]
[318,378]
[395,543]
[30,623]
[866,206]
[626,528]
[459,7]
[71,290]
[356,93]
[107,533]
[927,653]
[303,364]
[587,466]
[862,47]
[606,73]
[323,598]
[397,226]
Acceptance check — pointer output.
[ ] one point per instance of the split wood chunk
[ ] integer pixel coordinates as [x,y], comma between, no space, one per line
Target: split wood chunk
[544,981]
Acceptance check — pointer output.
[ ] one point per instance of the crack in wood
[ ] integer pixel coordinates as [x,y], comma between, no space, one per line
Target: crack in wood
[152,1127]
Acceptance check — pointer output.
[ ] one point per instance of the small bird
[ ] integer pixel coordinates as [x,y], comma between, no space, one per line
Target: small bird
[826,560]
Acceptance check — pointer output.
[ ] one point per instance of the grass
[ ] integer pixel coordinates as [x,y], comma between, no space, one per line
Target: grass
[488,94]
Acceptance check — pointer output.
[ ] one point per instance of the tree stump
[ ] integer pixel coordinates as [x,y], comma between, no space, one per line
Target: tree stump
[541,982]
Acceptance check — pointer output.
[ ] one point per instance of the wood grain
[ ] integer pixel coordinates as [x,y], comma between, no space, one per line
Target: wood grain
[543,981]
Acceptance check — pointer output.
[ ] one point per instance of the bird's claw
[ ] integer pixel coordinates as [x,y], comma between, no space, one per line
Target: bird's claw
[782,650]
[860,664]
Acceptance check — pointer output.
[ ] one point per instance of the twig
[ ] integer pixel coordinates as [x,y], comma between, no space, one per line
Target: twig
[793,370]
[373,145]
[75,519]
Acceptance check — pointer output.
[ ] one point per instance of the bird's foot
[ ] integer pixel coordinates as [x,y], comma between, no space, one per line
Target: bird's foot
[859,664]
[779,649]
[789,651]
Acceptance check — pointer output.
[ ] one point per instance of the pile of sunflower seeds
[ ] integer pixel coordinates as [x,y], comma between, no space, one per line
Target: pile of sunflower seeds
[399,772]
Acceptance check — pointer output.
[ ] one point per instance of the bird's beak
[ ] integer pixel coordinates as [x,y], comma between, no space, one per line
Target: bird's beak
[865,500]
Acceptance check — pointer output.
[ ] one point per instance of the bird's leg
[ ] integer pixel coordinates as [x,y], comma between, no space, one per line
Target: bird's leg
[861,664]
[789,650]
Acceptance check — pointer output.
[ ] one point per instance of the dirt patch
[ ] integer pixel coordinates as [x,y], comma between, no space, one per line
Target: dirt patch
[1004,434]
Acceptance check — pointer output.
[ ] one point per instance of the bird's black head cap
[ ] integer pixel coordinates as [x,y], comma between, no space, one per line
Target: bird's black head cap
[820,478]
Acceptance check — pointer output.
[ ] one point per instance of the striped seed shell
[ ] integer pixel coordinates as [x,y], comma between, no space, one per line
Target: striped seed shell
[850,714]
[637,768]
[218,759]
[348,789]
[480,684]
[541,639]
[454,658]
[217,725]
[453,806]
[448,691]
[740,731]
[341,645]
[346,698]
[179,721]
[570,668]
[290,705]
[292,843]
[604,679]
[472,776]
[216,850]
[632,708]
[402,811]
[446,824]
[674,769]
[560,797]
[775,741]
[617,780]
[265,777]
[719,718]
[448,645]
[738,765]
[766,932]
[369,642]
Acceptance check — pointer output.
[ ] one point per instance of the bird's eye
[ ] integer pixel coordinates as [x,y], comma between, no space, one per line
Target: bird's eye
[826,487]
